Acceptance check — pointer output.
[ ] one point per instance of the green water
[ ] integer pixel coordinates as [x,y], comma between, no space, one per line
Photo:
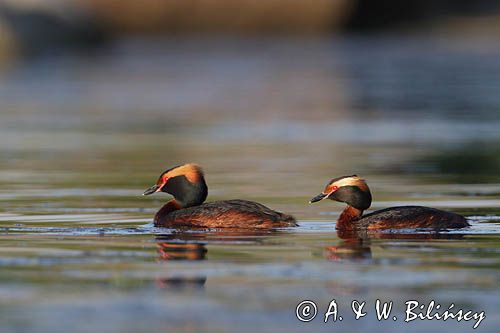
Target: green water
[81,137]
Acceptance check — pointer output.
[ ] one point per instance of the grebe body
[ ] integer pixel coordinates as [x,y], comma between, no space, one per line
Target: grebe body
[188,210]
[354,191]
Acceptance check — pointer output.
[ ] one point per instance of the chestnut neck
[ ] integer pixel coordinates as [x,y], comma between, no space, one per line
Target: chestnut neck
[167,208]
[348,216]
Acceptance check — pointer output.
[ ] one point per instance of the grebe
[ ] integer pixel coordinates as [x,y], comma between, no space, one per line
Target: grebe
[186,184]
[354,191]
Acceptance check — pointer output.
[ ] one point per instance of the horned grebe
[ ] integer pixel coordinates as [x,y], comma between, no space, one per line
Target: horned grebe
[355,193]
[187,185]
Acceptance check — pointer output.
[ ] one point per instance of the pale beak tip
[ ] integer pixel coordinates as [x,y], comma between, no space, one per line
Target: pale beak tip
[319,197]
[151,190]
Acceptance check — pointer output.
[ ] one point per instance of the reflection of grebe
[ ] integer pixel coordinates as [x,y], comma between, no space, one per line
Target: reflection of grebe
[187,184]
[181,251]
[353,249]
[355,193]
[168,250]
[356,244]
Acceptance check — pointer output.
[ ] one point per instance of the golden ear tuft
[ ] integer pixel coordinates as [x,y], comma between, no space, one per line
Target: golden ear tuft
[352,180]
[193,172]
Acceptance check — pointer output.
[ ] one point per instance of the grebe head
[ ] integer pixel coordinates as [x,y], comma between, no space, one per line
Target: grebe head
[185,182]
[352,190]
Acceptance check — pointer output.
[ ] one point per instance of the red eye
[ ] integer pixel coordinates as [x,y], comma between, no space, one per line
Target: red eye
[334,188]
[162,181]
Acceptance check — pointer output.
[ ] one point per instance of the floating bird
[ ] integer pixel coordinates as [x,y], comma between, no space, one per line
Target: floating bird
[354,191]
[186,183]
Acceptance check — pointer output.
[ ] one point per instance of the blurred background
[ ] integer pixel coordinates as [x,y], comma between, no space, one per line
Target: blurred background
[273,98]
[276,90]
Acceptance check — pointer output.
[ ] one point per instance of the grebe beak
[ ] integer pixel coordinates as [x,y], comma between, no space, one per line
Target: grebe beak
[152,189]
[319,197]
